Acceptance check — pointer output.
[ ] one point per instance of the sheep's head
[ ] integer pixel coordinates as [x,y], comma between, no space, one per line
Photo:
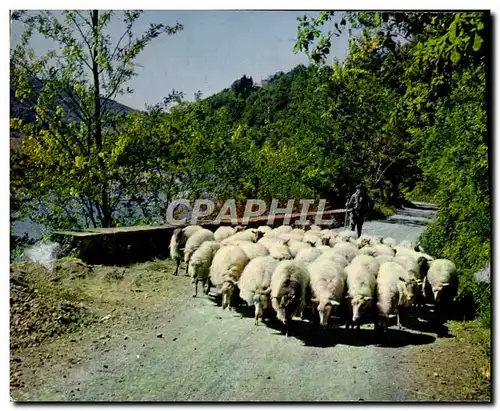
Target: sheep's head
[359,305]
[325,310]
[438,291]
[238,228]
[227,290]
[423,267]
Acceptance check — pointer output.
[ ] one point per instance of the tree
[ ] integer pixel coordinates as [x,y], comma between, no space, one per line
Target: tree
[74,145]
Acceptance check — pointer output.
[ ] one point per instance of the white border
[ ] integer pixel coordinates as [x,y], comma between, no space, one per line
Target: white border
[185,5]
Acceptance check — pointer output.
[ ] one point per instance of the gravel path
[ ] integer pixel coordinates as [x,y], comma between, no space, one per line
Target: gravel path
[207,354]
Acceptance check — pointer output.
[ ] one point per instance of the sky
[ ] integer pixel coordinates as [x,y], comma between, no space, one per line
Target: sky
[214,49]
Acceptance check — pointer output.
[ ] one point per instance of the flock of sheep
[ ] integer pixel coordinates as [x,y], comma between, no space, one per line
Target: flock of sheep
[289,272]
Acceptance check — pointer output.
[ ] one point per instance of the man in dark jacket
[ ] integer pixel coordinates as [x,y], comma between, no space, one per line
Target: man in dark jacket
[359,203]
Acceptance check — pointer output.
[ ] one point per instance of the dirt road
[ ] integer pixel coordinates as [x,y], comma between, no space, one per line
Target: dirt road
[189,349]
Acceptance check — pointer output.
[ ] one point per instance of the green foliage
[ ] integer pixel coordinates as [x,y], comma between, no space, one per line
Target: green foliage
[75,147]
[436,80]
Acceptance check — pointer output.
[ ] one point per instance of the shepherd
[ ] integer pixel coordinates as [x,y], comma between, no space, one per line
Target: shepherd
[358,205]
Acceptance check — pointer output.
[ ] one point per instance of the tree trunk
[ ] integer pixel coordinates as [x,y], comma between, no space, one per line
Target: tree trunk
[106,217]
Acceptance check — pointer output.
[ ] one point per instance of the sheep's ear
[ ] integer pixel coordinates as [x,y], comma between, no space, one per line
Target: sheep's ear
[332,302]
[314,300]
[368,298]
[402,279]
[445,284]
[267,290]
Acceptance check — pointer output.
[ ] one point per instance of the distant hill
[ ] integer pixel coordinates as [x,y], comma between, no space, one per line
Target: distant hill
[19,110]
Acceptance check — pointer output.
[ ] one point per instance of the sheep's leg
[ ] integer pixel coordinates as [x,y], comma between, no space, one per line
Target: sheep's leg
[195,288]
[187,265]
[256,315]
[398,319]
[177,267]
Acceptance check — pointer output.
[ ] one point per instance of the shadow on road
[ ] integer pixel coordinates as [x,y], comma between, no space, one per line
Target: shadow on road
[316,336]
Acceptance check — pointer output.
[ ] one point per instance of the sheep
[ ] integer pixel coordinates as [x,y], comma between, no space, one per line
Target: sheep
[383,258]
[391,242]
[369,262]
[175,252]
[399,250]
[326,235]
[441,281]
[299,231]
[283,229]
[277,249]
[200,262]
[251,235]
[410,265]
[323,248]
[312,237]
[314,227]
[255,283]
[178,241]
[327,283]
[224,232]
[376,240]
[368,250]
[296,246]
[383,249]
[193,242]
[361,286]
[225,271]
[333,240]
[335,256]
[307,255]
[264,229]
[363,240]
[252,250]
[395,291]
[288,287]
[347,235]
[349,250]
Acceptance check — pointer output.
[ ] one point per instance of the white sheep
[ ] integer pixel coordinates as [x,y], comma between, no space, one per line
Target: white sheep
[323,248]
[441,278]
[383,259]
[383,249]
[193,242]
[283,229]
[327,282]
[224,232]
[399,250]
[391,242]
[199,264]
[333,255]
[276,248]
[264,229]
[376,240]
[288,286]
[225,271]
[369,262]
[314,227]
[368,250]
[347,235]
[395,292]
[252,250]
[178,242]
[295,246]
[361,286]
[307,255]
[251,235]
[312,237]
[255,283]
[349,250]
[175,248]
